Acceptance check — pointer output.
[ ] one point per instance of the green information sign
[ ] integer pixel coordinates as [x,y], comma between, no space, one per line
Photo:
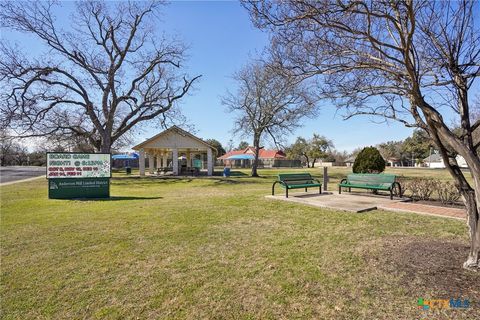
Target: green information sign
[78,175]
[78,188]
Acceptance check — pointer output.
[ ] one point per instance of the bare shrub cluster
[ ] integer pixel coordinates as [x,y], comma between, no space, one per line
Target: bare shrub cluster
[431,189]
[448,192]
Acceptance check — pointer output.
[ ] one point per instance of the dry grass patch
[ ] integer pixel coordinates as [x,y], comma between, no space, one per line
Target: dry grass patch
[428,268]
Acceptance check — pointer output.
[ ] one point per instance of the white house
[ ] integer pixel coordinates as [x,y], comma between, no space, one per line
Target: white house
[436,161]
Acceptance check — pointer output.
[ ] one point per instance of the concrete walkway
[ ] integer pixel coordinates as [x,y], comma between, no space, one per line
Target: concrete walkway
[425,209]
[361,203]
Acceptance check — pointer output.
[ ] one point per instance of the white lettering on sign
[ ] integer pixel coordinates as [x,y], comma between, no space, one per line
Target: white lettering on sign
[78,165]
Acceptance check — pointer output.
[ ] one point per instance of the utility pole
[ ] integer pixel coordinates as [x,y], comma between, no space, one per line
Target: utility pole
[430,158]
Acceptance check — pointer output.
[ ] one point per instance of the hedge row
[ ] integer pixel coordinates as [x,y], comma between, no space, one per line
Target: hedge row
[431,189]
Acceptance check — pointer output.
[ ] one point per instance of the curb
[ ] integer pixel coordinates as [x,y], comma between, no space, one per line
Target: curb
[23,180]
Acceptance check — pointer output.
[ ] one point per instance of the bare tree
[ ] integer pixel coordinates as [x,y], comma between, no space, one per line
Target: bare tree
[101,78]
[7,144]
[410,61]
[267,104]
[11,152]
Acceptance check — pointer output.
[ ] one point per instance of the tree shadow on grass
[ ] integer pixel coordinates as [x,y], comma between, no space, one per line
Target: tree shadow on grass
[133,181]
[227,181]
[117,198]
[234,173]
[237,177]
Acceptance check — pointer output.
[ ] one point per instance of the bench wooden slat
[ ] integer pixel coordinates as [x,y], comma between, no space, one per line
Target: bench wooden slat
[294,176]
[296,181]
[378,187]
[371,181]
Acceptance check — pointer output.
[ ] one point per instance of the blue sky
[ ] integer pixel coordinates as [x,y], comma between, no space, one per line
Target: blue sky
[221,39]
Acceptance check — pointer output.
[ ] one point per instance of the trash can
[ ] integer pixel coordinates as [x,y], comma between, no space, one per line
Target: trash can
[226,172]
[128,170]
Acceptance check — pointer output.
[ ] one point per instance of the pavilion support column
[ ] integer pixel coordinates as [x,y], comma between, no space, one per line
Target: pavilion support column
[165,160]
[151,164]
[175,161]
[159,161]
[141,162]
[209,162]
[189,159]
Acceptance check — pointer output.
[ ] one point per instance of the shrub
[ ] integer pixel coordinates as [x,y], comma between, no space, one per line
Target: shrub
[410,187]
[369,160]
[424,189]
[448,193]
[420,188]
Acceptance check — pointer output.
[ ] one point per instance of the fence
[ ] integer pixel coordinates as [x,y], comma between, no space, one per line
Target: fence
[262,163]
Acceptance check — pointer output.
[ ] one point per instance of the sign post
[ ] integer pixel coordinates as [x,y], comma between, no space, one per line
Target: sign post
[325,179]
[78,175]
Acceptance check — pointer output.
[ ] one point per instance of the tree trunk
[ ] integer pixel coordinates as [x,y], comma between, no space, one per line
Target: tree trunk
[106,144]
[473,223]
[308,161]
[256,144]
[313,162]
[470,196]
[449,146]
[471,199]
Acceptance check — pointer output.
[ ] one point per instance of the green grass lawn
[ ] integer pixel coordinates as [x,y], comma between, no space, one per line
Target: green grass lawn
[216,248]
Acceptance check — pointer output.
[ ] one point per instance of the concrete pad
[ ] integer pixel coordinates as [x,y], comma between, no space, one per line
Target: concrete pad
[333,200]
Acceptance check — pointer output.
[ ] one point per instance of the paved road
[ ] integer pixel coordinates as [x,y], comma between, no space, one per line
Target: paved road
[8,174]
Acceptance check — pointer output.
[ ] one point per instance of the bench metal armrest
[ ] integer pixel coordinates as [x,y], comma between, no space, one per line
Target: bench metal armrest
[399,188]
[343,181]
[284,184]
[273,185]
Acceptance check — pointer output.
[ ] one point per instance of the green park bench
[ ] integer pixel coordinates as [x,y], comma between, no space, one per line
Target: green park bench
[371,181]
[296,181]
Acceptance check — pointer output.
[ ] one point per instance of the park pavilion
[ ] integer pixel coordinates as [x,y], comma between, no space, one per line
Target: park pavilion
[175,150]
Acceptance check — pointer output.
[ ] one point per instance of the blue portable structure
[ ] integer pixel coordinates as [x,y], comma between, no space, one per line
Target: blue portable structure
[241,157]
[126,158]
